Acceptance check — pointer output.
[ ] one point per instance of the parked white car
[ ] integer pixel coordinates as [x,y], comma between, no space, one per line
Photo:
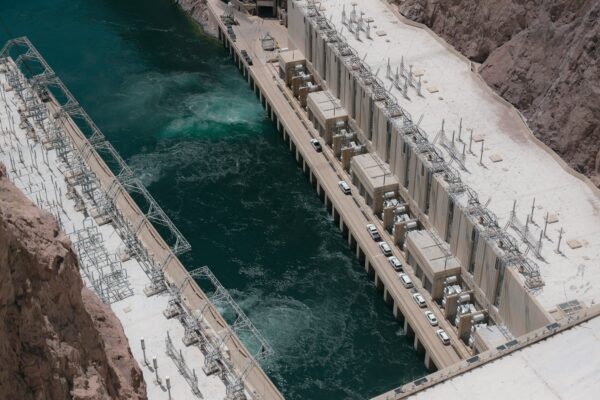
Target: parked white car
[405,279]
[431,318]
[443,336]
[420,300]
[372,229]
[385,248]
[316,145]
[395,263]
[344,187]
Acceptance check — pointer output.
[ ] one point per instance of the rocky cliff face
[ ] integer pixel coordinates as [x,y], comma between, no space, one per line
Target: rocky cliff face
[197,9]
[543,56]
[57,340]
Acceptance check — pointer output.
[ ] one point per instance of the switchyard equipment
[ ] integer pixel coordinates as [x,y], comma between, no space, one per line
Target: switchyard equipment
[215,347]
[60,168]
[49,82]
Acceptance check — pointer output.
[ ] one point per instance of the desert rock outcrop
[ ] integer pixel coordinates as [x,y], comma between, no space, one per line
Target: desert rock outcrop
[57,340]
[543,56]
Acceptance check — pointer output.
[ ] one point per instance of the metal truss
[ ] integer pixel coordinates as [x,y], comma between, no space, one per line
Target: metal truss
[455,153]
[529,269]
[512,255]
[242,323]
[103,271]
[524,232]
[213,345]
[47,79]
[188,374]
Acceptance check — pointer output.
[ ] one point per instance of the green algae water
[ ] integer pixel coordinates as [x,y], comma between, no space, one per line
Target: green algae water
[176,108]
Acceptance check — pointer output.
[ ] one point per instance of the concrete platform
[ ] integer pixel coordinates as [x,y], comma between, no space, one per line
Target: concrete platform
[539,367]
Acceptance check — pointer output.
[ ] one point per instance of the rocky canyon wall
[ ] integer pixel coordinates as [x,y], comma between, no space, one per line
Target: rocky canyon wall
[57,340]
[543,56]
[197,9]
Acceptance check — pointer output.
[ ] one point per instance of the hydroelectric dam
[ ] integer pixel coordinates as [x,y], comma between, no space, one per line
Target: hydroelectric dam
[369,263]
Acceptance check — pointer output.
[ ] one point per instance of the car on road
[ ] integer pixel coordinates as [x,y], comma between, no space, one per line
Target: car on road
[420,300]
[344,187]
[316,145]
[373,232]
[431,318]
[385,248]
[443,336]
[405,279]
[395,263]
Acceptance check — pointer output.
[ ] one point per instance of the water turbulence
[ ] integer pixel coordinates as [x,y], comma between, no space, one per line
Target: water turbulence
[171,101]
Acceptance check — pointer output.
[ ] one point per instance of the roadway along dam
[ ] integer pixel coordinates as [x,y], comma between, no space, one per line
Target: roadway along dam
[177,109]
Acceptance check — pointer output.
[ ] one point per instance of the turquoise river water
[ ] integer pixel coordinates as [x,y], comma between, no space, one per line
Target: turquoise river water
[173,104]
